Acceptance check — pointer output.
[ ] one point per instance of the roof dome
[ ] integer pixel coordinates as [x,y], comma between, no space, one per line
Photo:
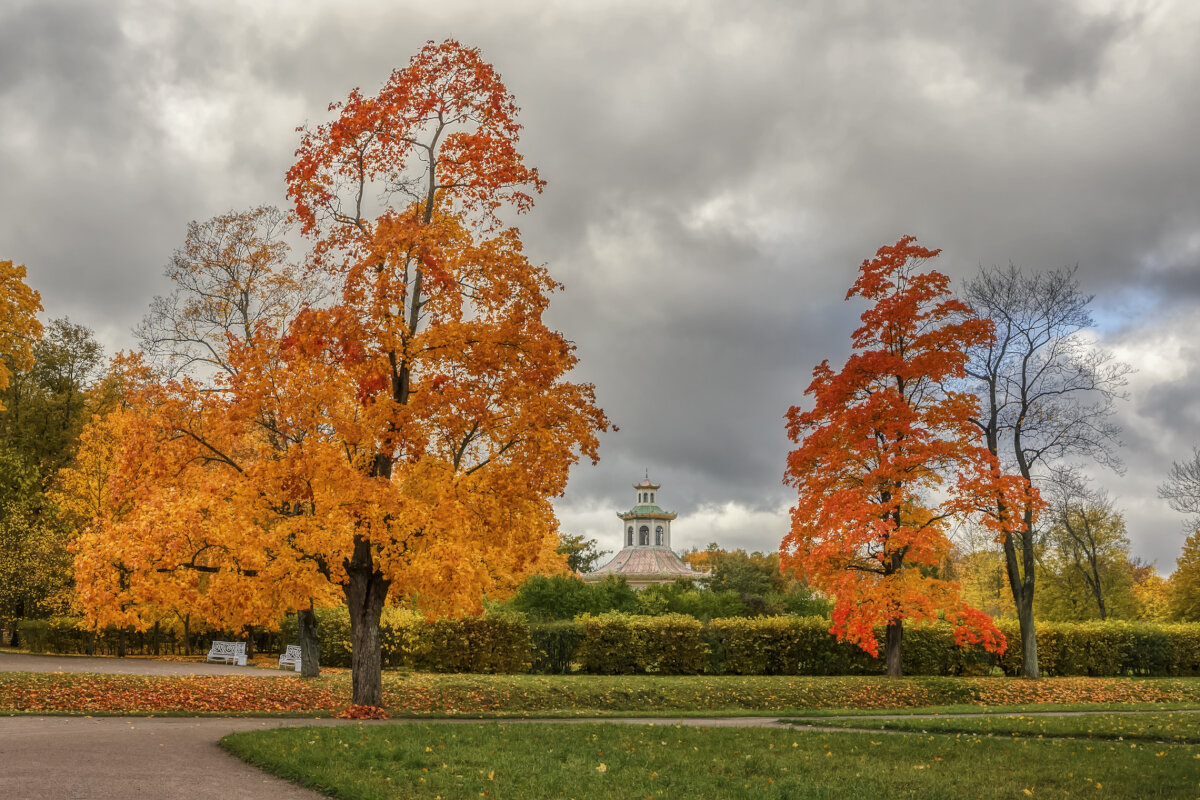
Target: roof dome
[647,557]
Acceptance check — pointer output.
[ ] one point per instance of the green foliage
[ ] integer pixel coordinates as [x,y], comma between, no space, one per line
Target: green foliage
[582,554]
[1184,592]
[624,644]
[1085,566]
[1114,647]
[491,643]
[46,406]
[745,574]
[609,645]
[614,594]
[66,634]
[35,567]
[562,597]
[553,597]
[554,645]
[487,644]
[678,644]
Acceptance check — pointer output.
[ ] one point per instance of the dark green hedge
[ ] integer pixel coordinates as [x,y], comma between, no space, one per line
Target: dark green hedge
[678,644]
[65,635]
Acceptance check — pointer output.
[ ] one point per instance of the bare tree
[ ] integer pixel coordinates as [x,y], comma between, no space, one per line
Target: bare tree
[1087,537]
[1181,490]
[233,283]
[1046,394]
[232,277]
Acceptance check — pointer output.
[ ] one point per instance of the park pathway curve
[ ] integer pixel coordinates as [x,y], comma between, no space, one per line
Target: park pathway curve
[77,758]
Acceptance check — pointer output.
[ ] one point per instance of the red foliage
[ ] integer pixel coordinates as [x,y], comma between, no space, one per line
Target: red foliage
[364,712]
[887,458]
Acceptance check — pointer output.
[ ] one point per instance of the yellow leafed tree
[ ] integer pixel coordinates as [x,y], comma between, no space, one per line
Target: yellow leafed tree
[401,441]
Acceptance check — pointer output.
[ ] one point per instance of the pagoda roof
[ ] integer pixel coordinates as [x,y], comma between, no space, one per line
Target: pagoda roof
[646,562]
[646,510]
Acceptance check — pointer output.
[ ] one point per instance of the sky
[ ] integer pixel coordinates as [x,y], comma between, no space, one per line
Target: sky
[716,174]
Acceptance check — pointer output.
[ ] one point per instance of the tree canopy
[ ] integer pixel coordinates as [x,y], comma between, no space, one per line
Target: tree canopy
[399,442]
[887,459]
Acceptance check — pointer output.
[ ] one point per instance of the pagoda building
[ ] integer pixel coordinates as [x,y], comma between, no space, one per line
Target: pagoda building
[647,557]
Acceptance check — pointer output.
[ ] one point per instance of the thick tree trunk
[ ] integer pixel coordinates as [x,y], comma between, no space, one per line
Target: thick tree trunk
[310,643]
[121,642]
[249,631]
[366,589]
[895,637]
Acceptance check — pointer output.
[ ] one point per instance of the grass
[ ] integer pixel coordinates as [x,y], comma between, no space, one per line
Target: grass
[487,696]
[1168,727]
[425,761]
[1033,708]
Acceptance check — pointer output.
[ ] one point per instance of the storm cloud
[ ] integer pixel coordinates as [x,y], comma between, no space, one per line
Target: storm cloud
[716,173]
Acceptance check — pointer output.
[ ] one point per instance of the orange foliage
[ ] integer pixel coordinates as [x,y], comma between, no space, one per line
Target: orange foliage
[19,326]
[400,443]
[886,458]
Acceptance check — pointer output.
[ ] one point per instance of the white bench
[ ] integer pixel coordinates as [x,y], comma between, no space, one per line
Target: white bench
[234,652]
[291,656]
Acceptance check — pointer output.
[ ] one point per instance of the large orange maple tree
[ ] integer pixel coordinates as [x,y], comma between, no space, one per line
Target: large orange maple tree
[887,460]
[399,443]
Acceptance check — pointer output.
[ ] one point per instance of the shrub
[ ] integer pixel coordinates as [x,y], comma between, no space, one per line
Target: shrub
[554,645]
[624,644]
[552,597]
[609,646]
[491,643]
[670,644]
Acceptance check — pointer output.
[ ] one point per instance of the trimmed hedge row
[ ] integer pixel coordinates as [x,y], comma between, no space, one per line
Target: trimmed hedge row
[1107,648]
[491,643]
[623,644]
[65,635]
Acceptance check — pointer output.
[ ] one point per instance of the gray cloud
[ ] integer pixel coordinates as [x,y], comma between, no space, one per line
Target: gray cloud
[717,173]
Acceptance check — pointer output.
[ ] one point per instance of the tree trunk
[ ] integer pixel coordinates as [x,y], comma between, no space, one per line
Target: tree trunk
[1021,582]
[895,637]
[18,615]
[310,643]
[366,589]
[187,635]
[1029,651]
[121,642]
[249,631]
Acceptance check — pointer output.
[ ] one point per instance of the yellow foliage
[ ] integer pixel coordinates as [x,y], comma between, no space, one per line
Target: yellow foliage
[19,326]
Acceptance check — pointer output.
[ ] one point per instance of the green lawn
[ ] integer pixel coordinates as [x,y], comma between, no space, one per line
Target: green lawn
[424,761]
[1152,727]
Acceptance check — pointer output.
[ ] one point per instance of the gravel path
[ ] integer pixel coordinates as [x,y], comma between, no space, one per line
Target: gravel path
[68,758]
[29,662]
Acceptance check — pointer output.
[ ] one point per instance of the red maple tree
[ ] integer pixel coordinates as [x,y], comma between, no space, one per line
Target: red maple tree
[887,460]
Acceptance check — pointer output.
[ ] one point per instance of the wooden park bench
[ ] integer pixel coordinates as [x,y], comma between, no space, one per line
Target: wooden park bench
[228,652]
[290,657]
